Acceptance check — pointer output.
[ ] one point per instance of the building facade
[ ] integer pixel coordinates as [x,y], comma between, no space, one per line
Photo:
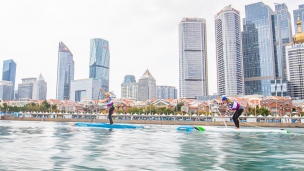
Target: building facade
[129,88]
[146,87]
[39,89]
[65,72]
[193,64]
[229,52]
[100,62]
[166,92]
[85,89]
[9,74]
[25,89]
[259,67]
[5,90]
[298,12]
[295,64]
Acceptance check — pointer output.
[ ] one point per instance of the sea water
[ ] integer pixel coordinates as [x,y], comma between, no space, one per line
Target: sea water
[60,146]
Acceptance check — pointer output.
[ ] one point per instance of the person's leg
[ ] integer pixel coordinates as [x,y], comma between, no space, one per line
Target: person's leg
[110,115]
[235,120]
[238,113]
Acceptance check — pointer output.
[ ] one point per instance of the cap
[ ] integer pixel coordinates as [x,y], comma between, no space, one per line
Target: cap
[224,98]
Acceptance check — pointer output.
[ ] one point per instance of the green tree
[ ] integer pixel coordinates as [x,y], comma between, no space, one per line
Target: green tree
[179,106]
[263,111]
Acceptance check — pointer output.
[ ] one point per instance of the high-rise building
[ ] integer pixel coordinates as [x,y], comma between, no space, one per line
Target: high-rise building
[85,89]
[9,74]
[259,58]
[39,89]
[193,65]
[129,88]
[298,12]
[146,86]
[65,72]
[166,92]
[295,64]
[25,89]
[5,90]
[229,52]
[100,62]
[282,31]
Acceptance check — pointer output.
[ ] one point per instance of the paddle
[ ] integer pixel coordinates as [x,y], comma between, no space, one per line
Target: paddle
[222,118]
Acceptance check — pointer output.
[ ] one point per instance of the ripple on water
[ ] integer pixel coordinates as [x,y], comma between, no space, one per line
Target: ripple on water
[58,146]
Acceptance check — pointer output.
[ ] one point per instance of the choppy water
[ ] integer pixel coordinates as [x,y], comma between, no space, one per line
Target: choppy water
[59,146]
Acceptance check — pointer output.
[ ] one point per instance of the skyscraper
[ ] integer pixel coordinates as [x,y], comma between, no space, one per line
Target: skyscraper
[9,74]
[39,89]
[282,36]
[229,52]
[258,77]
[146,86]
[5,90]
[295,64]
[25,89]
[100,62]
[166,92]
[129,88]
[193,65]
[65,72]
[298,12]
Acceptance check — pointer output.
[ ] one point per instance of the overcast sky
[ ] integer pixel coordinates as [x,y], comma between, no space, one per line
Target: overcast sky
[141,33]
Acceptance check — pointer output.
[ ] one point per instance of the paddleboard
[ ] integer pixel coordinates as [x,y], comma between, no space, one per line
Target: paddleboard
[230,129]
[105,125]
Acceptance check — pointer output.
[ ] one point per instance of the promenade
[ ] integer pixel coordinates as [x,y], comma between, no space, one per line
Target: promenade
[160,122]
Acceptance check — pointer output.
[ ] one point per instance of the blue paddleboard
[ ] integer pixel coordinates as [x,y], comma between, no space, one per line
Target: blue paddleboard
[105,125]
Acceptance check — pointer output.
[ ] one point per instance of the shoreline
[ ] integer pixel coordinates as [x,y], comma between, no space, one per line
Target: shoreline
[161,122]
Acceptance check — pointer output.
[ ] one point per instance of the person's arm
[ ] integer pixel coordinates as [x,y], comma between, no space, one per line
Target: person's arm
[103,91]
[229,107]
[104,100]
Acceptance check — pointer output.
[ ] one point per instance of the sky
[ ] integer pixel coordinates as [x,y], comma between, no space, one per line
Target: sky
[142,34]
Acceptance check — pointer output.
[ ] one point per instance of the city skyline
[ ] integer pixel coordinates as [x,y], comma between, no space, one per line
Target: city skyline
[146,38]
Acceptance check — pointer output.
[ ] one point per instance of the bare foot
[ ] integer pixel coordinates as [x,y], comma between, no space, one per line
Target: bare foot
[237,128]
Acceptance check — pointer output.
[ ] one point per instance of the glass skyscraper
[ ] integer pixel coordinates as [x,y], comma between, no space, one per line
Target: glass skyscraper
[229,52]
[5,90]
[259,77]
[9,74]
[265,36]
[193,65]
[100,62]
[298,12]
[65,72]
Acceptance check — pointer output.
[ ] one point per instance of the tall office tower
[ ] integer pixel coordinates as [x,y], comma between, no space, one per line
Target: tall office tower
[166,92]
[298,12]
[9,74]
[25,89]
[65,72]
[129,88]
[282,36]
[39,89]
[88,89]
[5,90]
[193,65]
[295,64]
[259,57]
[146,86]
[229,52]
[100,62]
